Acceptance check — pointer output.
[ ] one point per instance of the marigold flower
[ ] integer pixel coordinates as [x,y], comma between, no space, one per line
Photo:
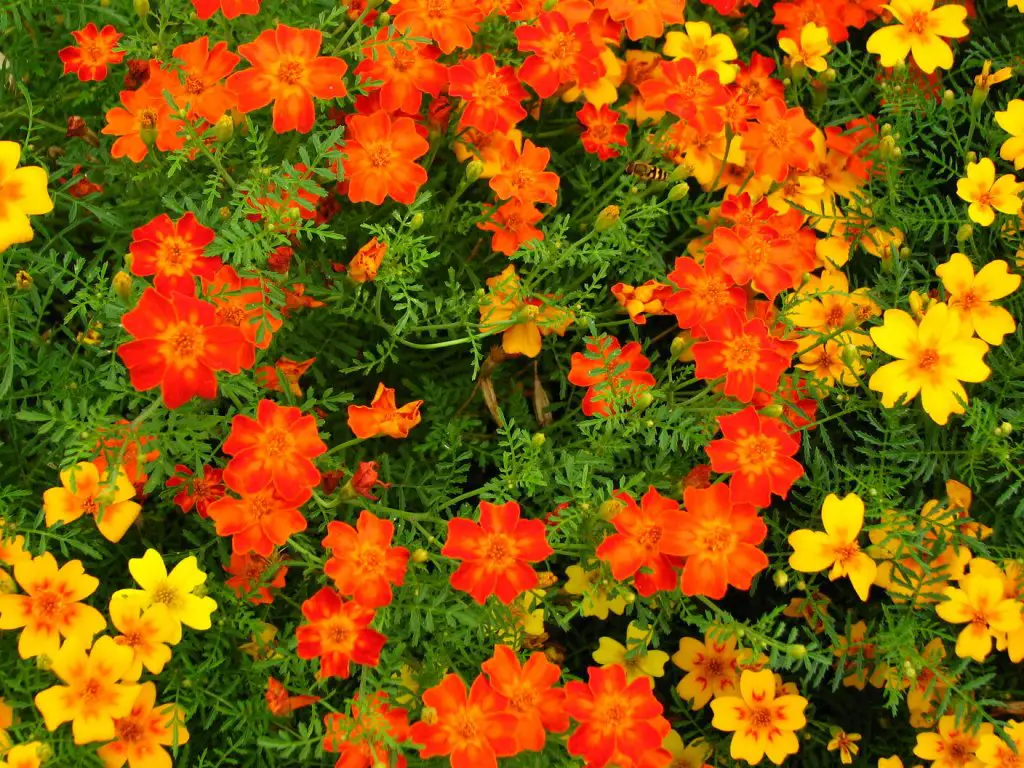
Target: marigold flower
[696,753]
[683,90]
[243,302]
[367,261]
[538,706]
[173,592]
[362,562]
[178,345]
[450,23]
[603,131]
[12,548]
[496,552]
[762,723]
[280,703]
[145,118]
[253,577]
[952,746]
[809,48]
[971,296]
[644,18]
[705,292]
[29,755]
[380,155]
[758,451]
[846,744]
[980,604]
[994,752]
[635,656]
[522,175]
[22,194]
[616,717]
[93,52]
[611,374]
[230,8]
[562,52]
[51,607]
[285,373]
[406,70]
[172,252]
[710,52]
[779,139]
[759,256]
[362,739]
[932,359]
[287,70]
[744,353]
[84,491]
[919,31]
[522,320]
[1011,120]
[492,94]
[594,591]
[148,633]
[639,301]
[142,734]
[198,491]
[986,194]
[712,668]
[92,698]
[338,633]
[512,225]
[383,416]
[260,520]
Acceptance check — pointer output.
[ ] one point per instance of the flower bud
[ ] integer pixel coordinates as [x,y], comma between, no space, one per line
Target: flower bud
[829,75]
[680,172]
[224,129]
[122,283]
[801,584]
[538,439]
[142,8]
[630,598]
[546,580]
[23,280]
[416,221]
[420,556]
[948,99]
[610,509]
[781,579]
[1006,428]
[678,346]
[474,169]
[972,157]
[797,651]
[772,411]
[428,715]
[606,218]
[643,400]
[886,129]
[850,355]
[679,191]
[44,752]
[966,232]
[44,662]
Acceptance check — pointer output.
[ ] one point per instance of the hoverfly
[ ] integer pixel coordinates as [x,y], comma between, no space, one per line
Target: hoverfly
[646,171]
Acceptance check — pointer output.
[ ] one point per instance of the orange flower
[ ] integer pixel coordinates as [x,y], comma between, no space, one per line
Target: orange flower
[705,292]
[280,703]
[512,225]
[196,491]
[363,738]
[473,730]
[284,373]
[531,693]
[142,734]
[645,18]
[84,491]
[362,561]
[616,718]
[611,374]
[642,300]
[172,252]
[756,255]
[522,175]
[685,91]
[451,23]
[287,71]
[380,155]
[230,8]
[338,633]
[383,416]
[496,552]
[778,140]
[204,69]
[252,577]
[367,261]
[562,53]
[51,607]
[145,119]
[492,94]
[242,302]
[95,50]
[260,520]
[406,71]
[603,131]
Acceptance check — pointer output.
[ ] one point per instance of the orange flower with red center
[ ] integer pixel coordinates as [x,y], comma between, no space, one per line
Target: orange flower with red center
[754,79]
[611,374]
[93,52]
[645,18]
[145,119]
[512,225]
[406,71]
[780,139]
[178,347]
[496,552]
[197,491]
[281,703]
[683,90]
[646,536]
[531,693]
[603,131]
[259,521]
[242,302]
[276,448]
[492,94]
[450,23]
[380,158]
[287,70]
[172,252]
[383,416]
[744,353]
[253,576]
[141,735]
[562,53]
[362,561]
[204,69]
[472,730]
[230,8]
[362,739]
[756,255]
[705,292]
[338,633]
[758,451]
[615,718]
[522,176]
[719,540]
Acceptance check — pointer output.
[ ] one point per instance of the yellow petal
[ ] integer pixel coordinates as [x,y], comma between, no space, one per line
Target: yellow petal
[897,335]
[843,518]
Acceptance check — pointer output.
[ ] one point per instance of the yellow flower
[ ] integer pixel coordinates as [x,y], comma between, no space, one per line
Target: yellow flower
[262,645]
[846,744]
[521,319]
[711,53]
[993,752]
[692,755]
[837,547]
[984,81]
[92,696]
[712,668]
[810,49]
[173,592]
[971,296]
[1011,120]
[919,31]
[22,194]
[890,762]
[932,359]
[146,632]
[1018,4]
[763,724]
[28,755]
[986,194]
[604,90]
[12,548]
[594,591]
[84,491]
[635,657]
[979,603]
[951,746]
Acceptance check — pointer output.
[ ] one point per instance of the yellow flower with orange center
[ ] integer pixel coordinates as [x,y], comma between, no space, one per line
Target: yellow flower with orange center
[952,745]
[712,668]
[22,194]
[980,603]
[837,547]
[595,592]
[846,744]
[809,49]
[971,296]
[710,52]
[987,194]
[146,632]
[919,32]
[692,755]
[84,491]
[521,319]
[635,656]
[28,755]
[1011,120]
[762,723]
[994,752]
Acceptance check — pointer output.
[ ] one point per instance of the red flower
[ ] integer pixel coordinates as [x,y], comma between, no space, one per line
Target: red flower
[612,375]
[755,80]
[644,541]
[383,416]
[199,491]
[522,176]
[743,352]
[492,94]
[778,140]
[243,303]
[172,251]
[562,53]
[280,259]
[405,70]
[616,718]
[755,255]
[284,373]
[230,8]
[362,738]
[178,347]
[719,539]
[204,93]
[366,263]
[82,187]
[472,730]
[364,479]
[705,292]
[380,157]
[259,521]
[531,693]
[145,119]
[280,703]
[287,71]
[512,225]
[758,451]
[95,50]
[603,131]
[363,564]
[496,552]
[253,576]
[276,448]
[338,633]
[451,23]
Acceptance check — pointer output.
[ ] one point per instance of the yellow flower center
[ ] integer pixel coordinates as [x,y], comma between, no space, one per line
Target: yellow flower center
[167,595]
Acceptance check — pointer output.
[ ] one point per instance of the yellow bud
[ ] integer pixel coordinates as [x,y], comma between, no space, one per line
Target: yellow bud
[142,8]
[122,283]
[607,218]
[797,651]
[630,598]
[538,440]
[680,172]
[801,584]
[225,212]
[610,509]
[428,715]
[948,99]
[972,157]
[546,579]
[420,556]
[224,129]
[886,129]
[678,346]
[829,75]
[781,579]
[44,662]
[966,232]
[851,355]
[644,400]
[416,221]
[23,280]
[474,170]
[905,252]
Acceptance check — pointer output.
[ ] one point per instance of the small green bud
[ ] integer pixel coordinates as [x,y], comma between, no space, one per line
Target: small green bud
[142,8]
[781,579]
[473,170]
[772,411]
[606,218]
[679,191]
[965,233]
[538,440]
[643,400]
[1006,428]
[224,129]
[948,99]
[797,651]
[610,509]
[416,221]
